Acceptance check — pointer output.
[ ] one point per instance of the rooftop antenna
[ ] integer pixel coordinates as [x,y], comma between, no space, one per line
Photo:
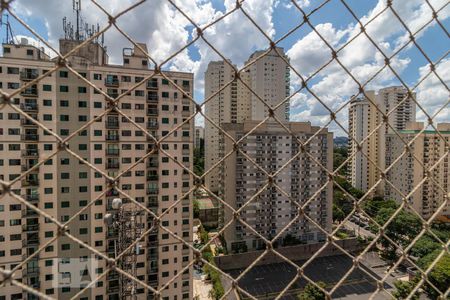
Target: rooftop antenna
[9,33]
[80,30]
[77,9]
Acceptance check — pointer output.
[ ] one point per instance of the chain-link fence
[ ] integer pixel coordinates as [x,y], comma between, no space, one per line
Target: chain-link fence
[384,235]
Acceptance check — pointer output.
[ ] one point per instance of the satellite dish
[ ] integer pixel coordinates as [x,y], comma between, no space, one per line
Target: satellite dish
[116,203]
[108,219]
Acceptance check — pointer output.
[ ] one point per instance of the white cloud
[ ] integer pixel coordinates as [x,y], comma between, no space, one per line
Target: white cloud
[432,94]
[333,85]
[166,30]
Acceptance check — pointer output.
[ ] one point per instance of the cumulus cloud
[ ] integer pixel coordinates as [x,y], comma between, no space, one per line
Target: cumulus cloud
[432,94]
[362,59]
[165,30]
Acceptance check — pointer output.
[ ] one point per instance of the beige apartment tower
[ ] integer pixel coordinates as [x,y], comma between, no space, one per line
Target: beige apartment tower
[431,149]
[272,147]
[267,76]
[199,136]
[365,118]
[63,185]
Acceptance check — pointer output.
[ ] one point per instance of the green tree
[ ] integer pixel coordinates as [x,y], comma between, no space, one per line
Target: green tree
[404,288]
[339,156]
[311,292]
[402,230]
[199,160]
[424,246]
[196,209]
[439,275]
[203,234]
[338,213]
[373,206]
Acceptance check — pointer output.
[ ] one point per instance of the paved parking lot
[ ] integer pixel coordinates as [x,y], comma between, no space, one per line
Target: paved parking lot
[267,281]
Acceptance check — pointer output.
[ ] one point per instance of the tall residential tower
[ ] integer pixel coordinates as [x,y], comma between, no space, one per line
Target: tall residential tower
[63,186]
[267,76]
[365,118]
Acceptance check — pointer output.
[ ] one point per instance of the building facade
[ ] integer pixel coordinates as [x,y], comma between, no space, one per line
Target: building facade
[199,137]
[272,147]
[268,77]
[428,148]
[365,118]
[63,185]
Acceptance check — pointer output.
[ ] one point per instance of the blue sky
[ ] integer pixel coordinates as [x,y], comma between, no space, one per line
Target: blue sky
[165,31]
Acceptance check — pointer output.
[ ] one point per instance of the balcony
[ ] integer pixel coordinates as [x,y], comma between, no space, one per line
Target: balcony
[112,124]
[30,153]
[152,84]
[26,122]
[113,95]
[152,125]
[112,81]
[152,204]
[112,137]
[29,137]
[152,97]
[112,193]
[33,241]
[112,165]
[152,112]
[112,275]
[28,74]
[30,228]
[152,269]
[155,137]
[30,272]
[112,152]
[30,181]
[29,213]
[30,92]
[152,177]
[26,167]
[152,164]
[29,107]
[112,289]
[152,191]
[31,198]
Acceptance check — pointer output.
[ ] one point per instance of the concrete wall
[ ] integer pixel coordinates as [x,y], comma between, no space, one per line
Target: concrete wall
[298,252]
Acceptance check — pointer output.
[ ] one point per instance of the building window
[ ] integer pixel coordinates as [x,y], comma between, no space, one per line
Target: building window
[63,88]
[47,88]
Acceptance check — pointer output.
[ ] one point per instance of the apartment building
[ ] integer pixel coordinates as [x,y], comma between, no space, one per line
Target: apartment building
[429,150]
[199,136]
[267,76]
[272,147]
[365,118]
[223,107]
[63,185]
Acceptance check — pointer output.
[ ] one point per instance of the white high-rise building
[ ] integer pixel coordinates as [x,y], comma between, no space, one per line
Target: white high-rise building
[268,77]
[365,117]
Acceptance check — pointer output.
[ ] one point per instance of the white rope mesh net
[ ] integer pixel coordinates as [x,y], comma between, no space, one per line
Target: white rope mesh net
[113,264]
